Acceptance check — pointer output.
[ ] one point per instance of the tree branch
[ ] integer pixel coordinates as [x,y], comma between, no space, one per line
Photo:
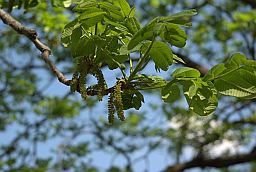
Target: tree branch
[216,162]
[191,63]
[46,51]
[32,35]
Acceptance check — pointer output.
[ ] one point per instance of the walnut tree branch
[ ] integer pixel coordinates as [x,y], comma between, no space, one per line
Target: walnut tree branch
[191,63]
[215,162]
[32,35]
[45,50]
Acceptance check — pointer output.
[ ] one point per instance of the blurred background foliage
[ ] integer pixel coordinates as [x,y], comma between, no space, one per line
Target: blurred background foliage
[46,128]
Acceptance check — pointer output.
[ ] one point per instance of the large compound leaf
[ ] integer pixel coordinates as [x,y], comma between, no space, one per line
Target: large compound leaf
[235,78]
[169,32]
[240,83]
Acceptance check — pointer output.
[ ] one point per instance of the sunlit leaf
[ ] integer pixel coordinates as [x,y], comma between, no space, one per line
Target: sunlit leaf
[125,7]
[170,93]
[201,96]
[145,33]
[237,77]
[186,72]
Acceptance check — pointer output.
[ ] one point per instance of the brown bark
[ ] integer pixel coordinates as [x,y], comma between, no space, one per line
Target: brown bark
[215,162]
[192,64]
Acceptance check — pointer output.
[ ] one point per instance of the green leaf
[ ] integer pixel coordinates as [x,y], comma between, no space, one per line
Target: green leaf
[169,32]
[112,43]
[170,93]
[161,54]
[137,100]
[186,72]
[124,50]
[214,72]
[112,10]
[81,7]
[125,7]
[240,83]
[235,78]
[103,56]
[181,18]
[89,18]
[114,61]
[145,33]
[67,32]
[185,13]
[201,96]
[173,34]
[132,12]
[117,26]
[236,60]
[84,47]
[120,58]
[132,24]
[145,82]
[132,99]
[75,38]
[90,14]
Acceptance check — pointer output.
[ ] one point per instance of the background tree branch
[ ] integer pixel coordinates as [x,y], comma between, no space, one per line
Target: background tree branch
[33,36]
[191,63]
[215,162]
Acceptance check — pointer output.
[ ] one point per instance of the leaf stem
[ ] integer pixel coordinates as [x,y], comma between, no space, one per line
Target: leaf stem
[141,61]
[224,74]
[96,29]
[131,68]
[124,75]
